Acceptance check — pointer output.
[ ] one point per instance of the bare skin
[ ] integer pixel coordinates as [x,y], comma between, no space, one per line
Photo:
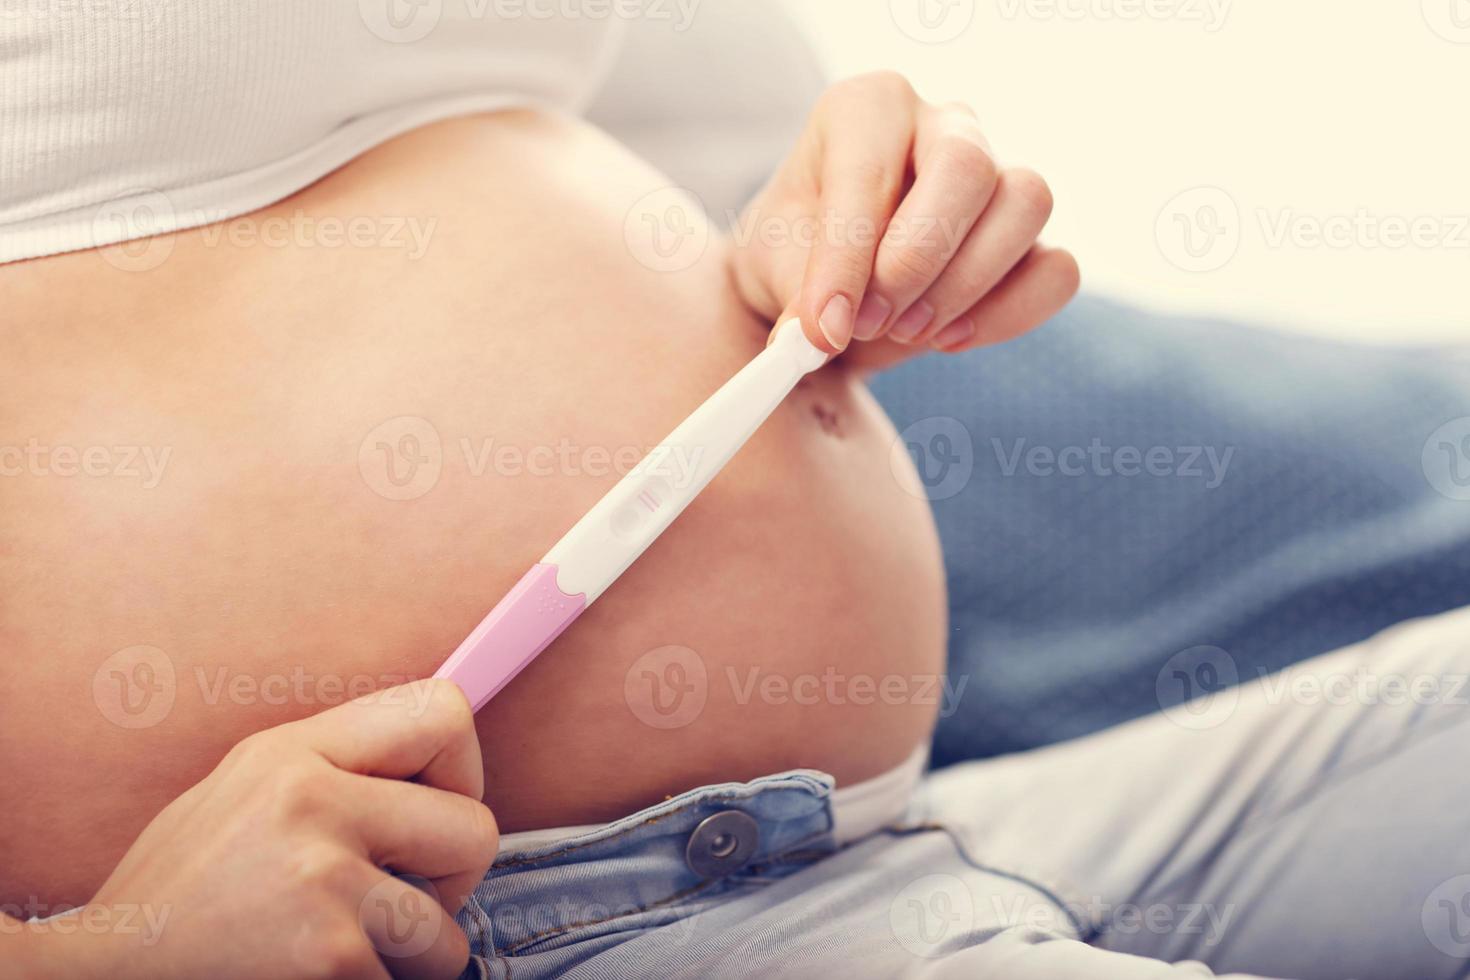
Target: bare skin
[270,570]
[322,809]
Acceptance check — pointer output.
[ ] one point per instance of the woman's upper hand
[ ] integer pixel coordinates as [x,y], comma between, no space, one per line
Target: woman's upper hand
[278,863]
[891,224]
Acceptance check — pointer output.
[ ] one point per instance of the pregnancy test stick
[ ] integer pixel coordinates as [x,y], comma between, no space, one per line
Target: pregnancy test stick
[632,515]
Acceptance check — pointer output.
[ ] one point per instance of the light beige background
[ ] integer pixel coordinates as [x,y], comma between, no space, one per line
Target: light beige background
[1298,114]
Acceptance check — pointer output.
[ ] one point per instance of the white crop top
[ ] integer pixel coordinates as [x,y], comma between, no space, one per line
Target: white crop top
[121,119]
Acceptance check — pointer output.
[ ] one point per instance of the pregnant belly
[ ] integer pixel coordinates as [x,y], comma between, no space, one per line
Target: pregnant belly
[259,468]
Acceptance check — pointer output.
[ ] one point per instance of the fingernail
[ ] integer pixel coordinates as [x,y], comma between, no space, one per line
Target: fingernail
[836,322]
[872,314]
[959,332]
[913,322]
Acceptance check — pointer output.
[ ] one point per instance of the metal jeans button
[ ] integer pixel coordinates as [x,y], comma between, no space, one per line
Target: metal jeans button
[722,844]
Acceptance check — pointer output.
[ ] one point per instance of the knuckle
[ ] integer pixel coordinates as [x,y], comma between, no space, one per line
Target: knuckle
[298,795]
[847,269]
[959,109]
[252,749]
[886,82]
[964,157]
[887,86]
[458,944]
[876,180]
[485,832]
[298,783]
[261,755]
[1068,272]
[1031,189]
[342,951]
[911,267]
[322,869]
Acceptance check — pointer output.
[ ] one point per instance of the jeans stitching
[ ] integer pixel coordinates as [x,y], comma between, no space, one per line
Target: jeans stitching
[1051,893]
[531,940]
[784,856]
[645,822]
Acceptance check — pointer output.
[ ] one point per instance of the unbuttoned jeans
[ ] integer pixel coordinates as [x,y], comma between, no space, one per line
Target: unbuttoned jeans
[1306,824]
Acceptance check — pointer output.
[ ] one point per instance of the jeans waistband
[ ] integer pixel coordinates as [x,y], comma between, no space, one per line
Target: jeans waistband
[652,868]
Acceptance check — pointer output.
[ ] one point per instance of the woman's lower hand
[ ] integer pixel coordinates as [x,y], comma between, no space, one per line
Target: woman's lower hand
[277,864]
[891,224]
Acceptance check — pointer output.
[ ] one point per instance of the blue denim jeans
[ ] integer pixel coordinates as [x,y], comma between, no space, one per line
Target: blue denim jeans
[1305,824]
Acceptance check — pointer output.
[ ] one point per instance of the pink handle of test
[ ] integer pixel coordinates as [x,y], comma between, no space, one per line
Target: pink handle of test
[520,626]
